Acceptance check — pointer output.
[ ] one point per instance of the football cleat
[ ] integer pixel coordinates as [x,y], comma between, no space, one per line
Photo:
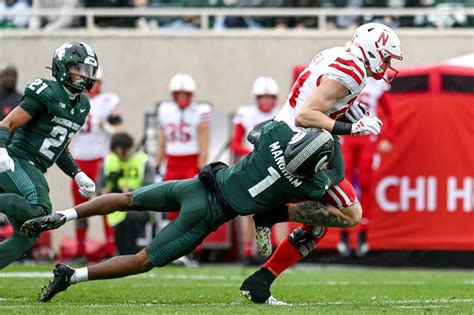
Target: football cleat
[60,282]
[362,249]
[256,287]
[272,301]
[33,227]
[264,243]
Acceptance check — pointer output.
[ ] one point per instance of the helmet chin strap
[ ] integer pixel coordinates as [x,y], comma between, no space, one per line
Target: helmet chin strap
[70,94]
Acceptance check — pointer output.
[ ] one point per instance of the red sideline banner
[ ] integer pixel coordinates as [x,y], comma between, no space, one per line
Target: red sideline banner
[424,188]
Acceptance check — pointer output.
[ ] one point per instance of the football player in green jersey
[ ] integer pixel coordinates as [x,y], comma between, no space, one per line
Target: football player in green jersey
[36,135]
[282,168]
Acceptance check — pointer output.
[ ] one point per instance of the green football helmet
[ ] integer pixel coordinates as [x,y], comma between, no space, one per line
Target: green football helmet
[309,152]
[82,59]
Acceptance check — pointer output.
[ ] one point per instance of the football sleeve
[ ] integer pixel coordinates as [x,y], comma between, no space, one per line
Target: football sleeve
[349,73]
[205,112]
[32,106]
[67,164]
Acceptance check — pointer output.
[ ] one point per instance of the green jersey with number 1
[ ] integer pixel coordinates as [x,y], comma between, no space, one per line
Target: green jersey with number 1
[55,119]
[260,181]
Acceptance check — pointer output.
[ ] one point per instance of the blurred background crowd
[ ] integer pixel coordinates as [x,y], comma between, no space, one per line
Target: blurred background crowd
[457,19]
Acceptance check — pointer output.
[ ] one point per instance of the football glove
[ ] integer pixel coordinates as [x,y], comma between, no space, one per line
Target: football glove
[6,162]
[367,125]
[356,112]
[86,185]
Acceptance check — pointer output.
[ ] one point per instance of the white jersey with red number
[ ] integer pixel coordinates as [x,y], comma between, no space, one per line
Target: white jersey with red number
[338,64]
[181,126]
[92,142]
[249,117]
[372,92]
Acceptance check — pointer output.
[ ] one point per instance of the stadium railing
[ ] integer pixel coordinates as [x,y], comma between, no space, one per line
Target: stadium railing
[205,14]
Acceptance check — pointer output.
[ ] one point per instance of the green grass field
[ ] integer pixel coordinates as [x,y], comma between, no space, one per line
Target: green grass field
[215,289]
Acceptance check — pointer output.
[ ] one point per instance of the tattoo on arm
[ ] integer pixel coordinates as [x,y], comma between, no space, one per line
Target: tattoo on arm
[316,213]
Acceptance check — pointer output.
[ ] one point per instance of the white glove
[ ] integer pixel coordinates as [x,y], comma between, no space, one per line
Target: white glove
[356,112]
[6,162]
[367,125]
[86,185]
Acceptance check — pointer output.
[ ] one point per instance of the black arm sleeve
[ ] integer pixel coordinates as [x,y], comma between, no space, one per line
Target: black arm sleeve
[67,164]
[336,172]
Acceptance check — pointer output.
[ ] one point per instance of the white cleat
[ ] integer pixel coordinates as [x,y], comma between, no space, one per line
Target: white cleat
[272,301]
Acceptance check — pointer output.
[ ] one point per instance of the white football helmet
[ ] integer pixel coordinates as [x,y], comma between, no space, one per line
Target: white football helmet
[100,74]
[376,44]
[182,82]
[265,86]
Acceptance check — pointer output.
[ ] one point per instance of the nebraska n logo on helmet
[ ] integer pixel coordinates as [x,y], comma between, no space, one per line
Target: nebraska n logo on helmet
[376,44]
[83,58]
[308,152]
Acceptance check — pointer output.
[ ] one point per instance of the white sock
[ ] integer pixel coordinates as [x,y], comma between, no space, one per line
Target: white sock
[80,275]
[70,214]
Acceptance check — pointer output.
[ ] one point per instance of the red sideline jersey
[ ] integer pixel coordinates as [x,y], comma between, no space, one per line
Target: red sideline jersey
[245,119]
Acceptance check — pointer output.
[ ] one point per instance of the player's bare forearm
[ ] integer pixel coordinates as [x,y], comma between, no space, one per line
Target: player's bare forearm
[323,99]
[17,118]
[314,119]
[104,205]
[203,134]
[160,151]
[318,213]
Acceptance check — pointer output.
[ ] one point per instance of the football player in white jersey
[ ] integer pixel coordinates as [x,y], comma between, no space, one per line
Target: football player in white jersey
[91,144]
[183,138]
[325,91]
[358,155]
[265,91]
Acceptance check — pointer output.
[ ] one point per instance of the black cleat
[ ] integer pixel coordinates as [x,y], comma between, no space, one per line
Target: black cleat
[33,227]
[59,283]
[257,287]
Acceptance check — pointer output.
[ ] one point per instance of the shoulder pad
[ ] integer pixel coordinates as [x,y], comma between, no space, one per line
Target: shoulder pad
[40,90]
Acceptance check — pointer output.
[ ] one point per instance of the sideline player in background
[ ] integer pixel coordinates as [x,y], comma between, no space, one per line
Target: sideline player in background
[183,137]
[49,115]
[265,91]
[9,96]
[323,94]
[358,158]
[90,146]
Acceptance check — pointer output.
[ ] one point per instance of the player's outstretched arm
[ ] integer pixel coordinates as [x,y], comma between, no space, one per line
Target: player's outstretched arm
[17,118]
[101,205]
[319,213]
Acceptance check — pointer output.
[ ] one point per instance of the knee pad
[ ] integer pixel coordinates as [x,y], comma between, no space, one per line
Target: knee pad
[303,239]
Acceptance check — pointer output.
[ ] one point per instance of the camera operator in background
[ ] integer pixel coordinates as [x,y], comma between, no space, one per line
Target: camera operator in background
[125,170]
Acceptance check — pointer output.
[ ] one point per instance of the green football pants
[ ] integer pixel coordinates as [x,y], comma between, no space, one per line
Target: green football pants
[199,216]
[23,196]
